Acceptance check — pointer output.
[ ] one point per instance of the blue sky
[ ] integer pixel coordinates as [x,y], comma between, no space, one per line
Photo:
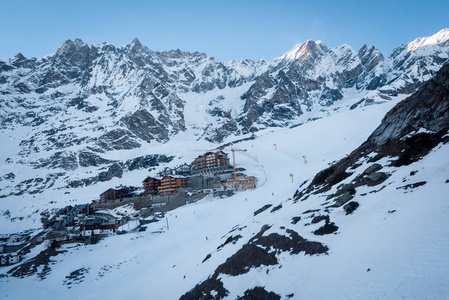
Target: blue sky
[224,29]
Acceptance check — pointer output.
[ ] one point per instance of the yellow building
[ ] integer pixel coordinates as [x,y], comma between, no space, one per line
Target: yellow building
[169,183]
[151,185]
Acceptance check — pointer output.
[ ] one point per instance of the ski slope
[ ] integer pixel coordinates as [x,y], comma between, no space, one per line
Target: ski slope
[374,255]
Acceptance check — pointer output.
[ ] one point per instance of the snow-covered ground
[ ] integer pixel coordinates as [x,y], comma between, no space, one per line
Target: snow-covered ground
[393,246]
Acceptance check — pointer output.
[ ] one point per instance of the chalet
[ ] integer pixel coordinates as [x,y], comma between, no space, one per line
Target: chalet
[211,160]
[96,226]
[170,184]
[243,183]
[114,194]
[109,195]
[151,185]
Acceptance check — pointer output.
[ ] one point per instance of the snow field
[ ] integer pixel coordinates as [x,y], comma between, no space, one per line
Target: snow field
[148,264]
[374,255]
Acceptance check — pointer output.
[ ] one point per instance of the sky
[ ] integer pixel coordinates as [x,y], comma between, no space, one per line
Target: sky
[225,30]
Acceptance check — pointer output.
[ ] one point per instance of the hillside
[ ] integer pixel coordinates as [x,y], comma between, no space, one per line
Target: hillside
[362,217]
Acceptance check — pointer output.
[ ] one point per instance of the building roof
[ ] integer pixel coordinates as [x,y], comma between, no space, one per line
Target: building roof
[14,244]
[150,177]
[175,176]
[110,189]
[97,220]
[211,152]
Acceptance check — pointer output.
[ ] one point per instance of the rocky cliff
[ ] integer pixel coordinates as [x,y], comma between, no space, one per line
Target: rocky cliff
[407,133]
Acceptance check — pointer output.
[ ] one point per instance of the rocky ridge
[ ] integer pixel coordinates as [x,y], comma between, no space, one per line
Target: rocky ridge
[80,103]
[407,133]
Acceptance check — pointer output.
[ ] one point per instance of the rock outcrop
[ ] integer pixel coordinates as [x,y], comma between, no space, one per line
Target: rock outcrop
[407,133]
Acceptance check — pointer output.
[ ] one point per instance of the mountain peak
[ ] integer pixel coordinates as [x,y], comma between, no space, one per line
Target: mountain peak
[135,45]
[438,38]
[79,42]
[365,47]
[19,57]
[344,49]
[135,42]
[70,45]
[304,50]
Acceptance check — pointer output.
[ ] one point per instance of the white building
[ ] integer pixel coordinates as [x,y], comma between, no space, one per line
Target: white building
[10,259]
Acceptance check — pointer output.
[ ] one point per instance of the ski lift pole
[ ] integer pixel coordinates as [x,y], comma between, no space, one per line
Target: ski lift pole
[235,173]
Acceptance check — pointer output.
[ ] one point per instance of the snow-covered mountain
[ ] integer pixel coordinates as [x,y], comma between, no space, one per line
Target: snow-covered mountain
[87,118]
[65,117]
[364,218]
[411,139]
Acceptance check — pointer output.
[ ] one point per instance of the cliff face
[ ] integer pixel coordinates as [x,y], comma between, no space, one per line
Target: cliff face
[427,109]
[407,133]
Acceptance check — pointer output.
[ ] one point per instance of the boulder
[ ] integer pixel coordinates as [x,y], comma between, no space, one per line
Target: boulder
[345,197]
[373,168]
[376,178]
[350,207]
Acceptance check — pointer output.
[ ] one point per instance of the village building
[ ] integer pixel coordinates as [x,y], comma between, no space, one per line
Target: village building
[109,195]
[14,238]
[104,213]
[114,194]
[4,237]
[12,247]
[97,226]
[209,169]
[243,183]
[171,183]
[211,160]
[67,217]
[182,170]
[9,245]
[9,259]
[151,185]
